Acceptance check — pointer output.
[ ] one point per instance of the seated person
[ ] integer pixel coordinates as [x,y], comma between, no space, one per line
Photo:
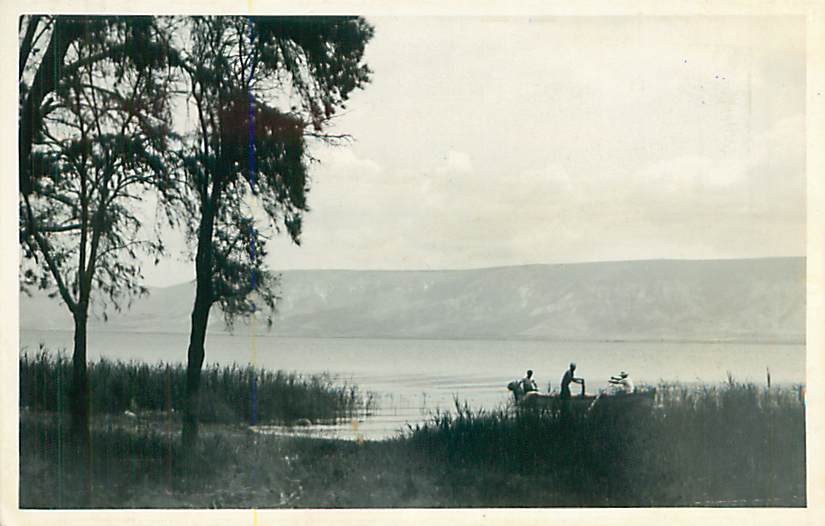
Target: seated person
[623,383]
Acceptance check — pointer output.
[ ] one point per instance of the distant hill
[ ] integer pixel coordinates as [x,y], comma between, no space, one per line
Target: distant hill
[746,300]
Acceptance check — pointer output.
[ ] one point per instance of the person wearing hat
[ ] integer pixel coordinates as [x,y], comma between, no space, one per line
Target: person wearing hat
[569,376]
[623,382]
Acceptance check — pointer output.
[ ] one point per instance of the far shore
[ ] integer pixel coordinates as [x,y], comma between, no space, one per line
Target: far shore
[796,340]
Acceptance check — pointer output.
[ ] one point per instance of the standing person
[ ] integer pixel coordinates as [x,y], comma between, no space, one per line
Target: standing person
[623,382]
[528,384]
[569,376]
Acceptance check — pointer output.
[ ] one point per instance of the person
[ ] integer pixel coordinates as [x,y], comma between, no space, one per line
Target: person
[528,384]
[623,383]
[568,378]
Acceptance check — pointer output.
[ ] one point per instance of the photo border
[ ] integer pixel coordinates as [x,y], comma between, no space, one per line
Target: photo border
[814,13]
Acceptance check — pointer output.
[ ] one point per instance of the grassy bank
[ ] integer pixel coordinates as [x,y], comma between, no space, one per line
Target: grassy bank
[232,468]
[727,445]
[734,444]
[227,392]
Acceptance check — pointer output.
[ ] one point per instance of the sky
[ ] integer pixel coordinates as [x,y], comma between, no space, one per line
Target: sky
[485,141]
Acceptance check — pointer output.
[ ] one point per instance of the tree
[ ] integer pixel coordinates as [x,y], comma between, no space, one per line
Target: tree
[246,161]
[99,145]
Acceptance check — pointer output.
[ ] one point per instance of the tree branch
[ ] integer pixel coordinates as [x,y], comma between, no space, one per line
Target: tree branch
[69,69]
[26,44]
[57,197]
[56,228]
[109,250]
[45,250]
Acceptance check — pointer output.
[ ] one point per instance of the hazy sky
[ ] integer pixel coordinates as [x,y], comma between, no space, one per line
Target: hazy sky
[502,141]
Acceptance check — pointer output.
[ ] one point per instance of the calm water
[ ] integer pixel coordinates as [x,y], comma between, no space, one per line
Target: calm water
[413,378]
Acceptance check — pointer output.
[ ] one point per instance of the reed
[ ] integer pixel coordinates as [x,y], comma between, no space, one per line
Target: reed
[227,391]
[733,444]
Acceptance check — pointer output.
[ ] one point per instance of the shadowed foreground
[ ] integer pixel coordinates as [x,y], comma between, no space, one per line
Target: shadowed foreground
[729,445]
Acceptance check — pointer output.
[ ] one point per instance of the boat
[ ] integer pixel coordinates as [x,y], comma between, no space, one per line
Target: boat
[537,400]
[582,400]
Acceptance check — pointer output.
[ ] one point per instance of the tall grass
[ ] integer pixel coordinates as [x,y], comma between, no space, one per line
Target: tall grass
[122,460]
[227,391]
[735,444]
[229,468]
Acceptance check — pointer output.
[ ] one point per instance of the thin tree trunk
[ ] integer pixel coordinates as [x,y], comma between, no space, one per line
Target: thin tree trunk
[195,357]
[200,320]
[80,406]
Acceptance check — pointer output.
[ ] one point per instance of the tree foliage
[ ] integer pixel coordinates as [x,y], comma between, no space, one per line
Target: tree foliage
[101,143]
[261,88]
[45,62]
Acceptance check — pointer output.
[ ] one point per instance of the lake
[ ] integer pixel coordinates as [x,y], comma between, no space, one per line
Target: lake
[413,378]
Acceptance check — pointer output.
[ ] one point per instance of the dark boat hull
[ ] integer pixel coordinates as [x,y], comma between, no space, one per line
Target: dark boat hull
[542,401]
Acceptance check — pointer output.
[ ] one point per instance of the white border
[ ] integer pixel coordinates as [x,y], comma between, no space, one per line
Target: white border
[9,344]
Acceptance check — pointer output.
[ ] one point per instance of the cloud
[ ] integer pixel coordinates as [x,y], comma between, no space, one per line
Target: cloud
[591,139]
[455,214]
[341,161]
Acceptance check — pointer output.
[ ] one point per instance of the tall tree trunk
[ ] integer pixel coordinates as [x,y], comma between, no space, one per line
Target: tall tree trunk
[200,320]
[195,356]
[80,405]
